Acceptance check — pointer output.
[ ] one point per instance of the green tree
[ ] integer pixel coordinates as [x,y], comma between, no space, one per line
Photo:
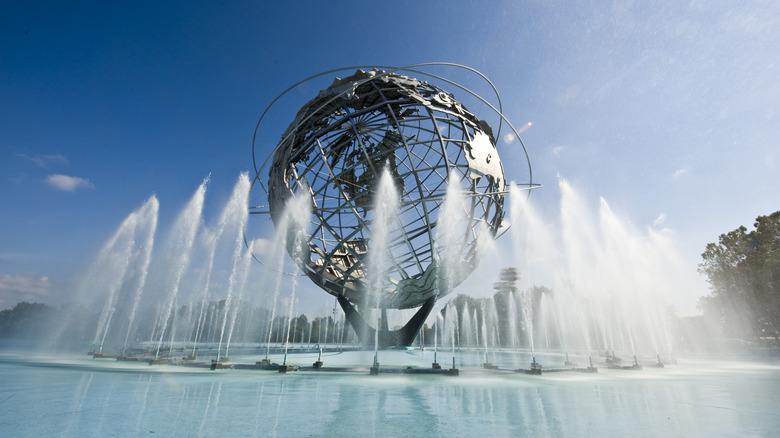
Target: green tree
[25,320]
[743,269]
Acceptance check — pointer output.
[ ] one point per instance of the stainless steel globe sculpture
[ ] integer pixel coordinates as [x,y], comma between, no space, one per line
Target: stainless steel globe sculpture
[334,152]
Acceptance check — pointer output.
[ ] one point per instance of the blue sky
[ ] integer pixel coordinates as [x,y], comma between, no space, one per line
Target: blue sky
[669,111]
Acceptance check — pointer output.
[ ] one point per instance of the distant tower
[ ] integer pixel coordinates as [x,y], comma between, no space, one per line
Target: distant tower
[508,278]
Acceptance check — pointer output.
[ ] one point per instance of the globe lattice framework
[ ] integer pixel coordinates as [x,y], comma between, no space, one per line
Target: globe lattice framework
[335,150]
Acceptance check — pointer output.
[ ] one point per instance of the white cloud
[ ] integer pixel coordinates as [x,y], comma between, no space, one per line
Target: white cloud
[68,183]
[557,150]
[260,246]
[679,173]
[44,160]
[660,219]
[23,287]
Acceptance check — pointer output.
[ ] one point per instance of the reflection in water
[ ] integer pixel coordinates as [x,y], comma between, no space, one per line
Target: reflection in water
[280,397]
[259,410]
[78,399]
[144,400]
[208,406]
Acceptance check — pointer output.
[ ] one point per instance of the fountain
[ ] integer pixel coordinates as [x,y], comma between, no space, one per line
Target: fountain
[606,294]
[356,223]
[563,322]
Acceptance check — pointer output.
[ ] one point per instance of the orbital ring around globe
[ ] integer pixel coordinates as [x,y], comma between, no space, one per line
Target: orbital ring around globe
[375,121]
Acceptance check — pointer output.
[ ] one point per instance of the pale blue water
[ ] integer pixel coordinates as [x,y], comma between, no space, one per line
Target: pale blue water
[75,396]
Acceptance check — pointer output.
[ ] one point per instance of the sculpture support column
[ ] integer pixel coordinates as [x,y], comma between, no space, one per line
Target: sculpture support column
[402,337]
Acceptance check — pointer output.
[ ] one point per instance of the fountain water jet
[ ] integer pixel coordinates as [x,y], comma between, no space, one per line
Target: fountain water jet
[608,280]
[178,250]
[111,271]
[151,210]
[246,260]
[291,230]
[237,210]
[379,258]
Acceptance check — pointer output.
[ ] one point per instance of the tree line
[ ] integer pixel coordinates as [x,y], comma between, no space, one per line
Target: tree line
[76,325]
[743,270]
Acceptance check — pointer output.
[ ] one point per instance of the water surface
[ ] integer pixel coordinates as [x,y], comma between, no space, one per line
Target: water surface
[75,396]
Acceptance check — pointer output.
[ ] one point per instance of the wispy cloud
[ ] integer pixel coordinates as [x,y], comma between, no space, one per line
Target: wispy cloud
[44,160]
[660,219]
[261,246]
[23,287]
[679,173]
[68,183]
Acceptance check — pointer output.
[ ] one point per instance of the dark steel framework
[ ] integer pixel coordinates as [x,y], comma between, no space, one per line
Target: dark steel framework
[334,152]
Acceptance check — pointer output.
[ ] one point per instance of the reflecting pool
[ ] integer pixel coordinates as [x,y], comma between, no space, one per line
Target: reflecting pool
[81,396]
